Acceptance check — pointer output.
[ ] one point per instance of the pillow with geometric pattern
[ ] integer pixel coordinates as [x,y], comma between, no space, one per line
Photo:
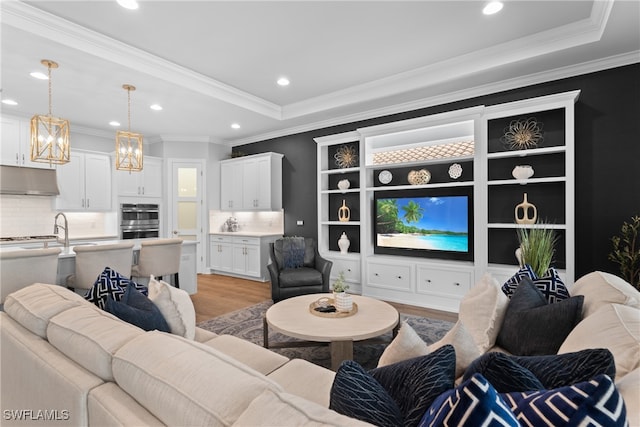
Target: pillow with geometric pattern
[473,403]
[112,284]
[550,284]
[596,402]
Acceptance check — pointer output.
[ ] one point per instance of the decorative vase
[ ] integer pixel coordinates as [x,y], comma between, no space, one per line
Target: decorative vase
[525,212]
[344,184]
[344,213]
[343,243]
[522,172]
[343,302]
[519,256]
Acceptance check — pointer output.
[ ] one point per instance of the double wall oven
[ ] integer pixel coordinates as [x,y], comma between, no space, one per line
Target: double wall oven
[139,221]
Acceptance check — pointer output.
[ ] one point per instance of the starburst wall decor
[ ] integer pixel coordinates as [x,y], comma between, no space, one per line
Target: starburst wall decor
[346,156]
[523,134]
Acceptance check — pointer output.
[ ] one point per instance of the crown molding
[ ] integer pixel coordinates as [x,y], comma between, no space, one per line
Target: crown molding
[577,33]
[47,25]
[487,89]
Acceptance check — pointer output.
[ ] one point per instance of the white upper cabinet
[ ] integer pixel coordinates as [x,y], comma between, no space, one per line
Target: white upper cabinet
[146,183]
[14,146]
[251,183]
[85,183]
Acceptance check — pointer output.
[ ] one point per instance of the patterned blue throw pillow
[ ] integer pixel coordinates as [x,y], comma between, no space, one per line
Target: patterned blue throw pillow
[356,394]
[510,285]
[293,252]
[508,373]
[137,309]
[396,394]
[550,284]
[112,284]
[591,403]
[473,403]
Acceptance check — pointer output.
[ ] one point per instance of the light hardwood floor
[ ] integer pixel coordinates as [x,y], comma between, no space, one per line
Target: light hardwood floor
[218,294]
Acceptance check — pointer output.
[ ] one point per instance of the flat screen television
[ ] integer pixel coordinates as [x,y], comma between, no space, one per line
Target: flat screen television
[430,223]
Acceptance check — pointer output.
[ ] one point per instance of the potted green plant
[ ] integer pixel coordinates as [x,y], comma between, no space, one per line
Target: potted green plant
[340,285]
[626,251]
[342,300]
[537,246]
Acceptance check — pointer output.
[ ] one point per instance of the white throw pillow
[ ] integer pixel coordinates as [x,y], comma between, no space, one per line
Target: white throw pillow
[600,288]
[408,344]
[466,349]
[176,307]
[482,311]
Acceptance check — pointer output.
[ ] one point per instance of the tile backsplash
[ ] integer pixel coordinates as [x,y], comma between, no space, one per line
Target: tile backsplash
[248,221]
[34,215]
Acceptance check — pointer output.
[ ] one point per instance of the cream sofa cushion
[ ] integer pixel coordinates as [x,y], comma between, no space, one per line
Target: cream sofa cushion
[629,388]
[109,405]
[600,288]
[259,358]
[183,382]
[616,327]
[305,379]
[34,305]
[284,409]
[90,337]
[176,307]
[482,311]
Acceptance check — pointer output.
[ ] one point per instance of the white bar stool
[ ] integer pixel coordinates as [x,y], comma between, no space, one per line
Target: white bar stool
[91,260]
[25,267]
[159,257]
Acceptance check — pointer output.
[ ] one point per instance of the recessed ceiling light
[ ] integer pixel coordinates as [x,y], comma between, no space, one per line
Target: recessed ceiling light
[156,107]
[492,7]
[9,102]
[283,81]
[235,126]
[39,75]
[128,4]
[114,123]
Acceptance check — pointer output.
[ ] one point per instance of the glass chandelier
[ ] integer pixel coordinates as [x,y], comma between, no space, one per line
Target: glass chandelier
[128,144]
[49,135]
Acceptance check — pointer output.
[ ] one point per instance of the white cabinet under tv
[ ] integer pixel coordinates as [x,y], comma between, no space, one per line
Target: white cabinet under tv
[445,158]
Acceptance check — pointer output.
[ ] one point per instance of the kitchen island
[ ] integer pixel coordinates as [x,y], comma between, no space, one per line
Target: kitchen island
[67,263]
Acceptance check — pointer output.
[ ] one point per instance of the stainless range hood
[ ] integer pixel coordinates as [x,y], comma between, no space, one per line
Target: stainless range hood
[28,181]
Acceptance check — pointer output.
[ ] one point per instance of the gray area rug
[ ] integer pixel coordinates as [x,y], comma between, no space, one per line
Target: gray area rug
[247,324]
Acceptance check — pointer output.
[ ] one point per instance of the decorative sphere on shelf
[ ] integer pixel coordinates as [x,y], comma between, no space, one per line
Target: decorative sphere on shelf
[522,172]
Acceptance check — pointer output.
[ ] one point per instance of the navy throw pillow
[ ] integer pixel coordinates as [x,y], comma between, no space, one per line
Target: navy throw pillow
[531,326]
[473,403]
[356,394]
[510,285]
[139,310]
[293,249]
[503,372]
[596,402]
[112,284]
[396,394]
[552,286]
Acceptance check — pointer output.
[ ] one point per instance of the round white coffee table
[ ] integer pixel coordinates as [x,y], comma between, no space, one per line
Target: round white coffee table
[292,317]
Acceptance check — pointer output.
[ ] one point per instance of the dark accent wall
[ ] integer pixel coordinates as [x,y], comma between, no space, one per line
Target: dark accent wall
[607,158]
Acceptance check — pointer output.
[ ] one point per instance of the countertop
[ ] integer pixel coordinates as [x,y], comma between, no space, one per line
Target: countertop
[246,233]
[69,253]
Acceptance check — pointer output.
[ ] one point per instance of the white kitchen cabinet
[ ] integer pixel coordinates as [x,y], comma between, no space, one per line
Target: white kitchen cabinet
[251,183]
[15,147]
[231,186]
[246,256]
[85,183]
[221,253]
[240,255]
[146,183]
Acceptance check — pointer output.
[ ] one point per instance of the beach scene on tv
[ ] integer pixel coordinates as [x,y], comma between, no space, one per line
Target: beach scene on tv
[434,223]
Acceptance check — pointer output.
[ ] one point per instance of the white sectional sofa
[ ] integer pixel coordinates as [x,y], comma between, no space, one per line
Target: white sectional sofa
[67,362]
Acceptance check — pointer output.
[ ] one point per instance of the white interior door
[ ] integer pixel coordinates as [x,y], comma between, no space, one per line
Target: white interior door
[186,204]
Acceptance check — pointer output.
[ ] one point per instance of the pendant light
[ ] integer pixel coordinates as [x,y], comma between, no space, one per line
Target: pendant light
[49,135]
[128,144]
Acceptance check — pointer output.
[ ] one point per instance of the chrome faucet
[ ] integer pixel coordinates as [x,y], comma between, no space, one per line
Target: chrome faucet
[56,229]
